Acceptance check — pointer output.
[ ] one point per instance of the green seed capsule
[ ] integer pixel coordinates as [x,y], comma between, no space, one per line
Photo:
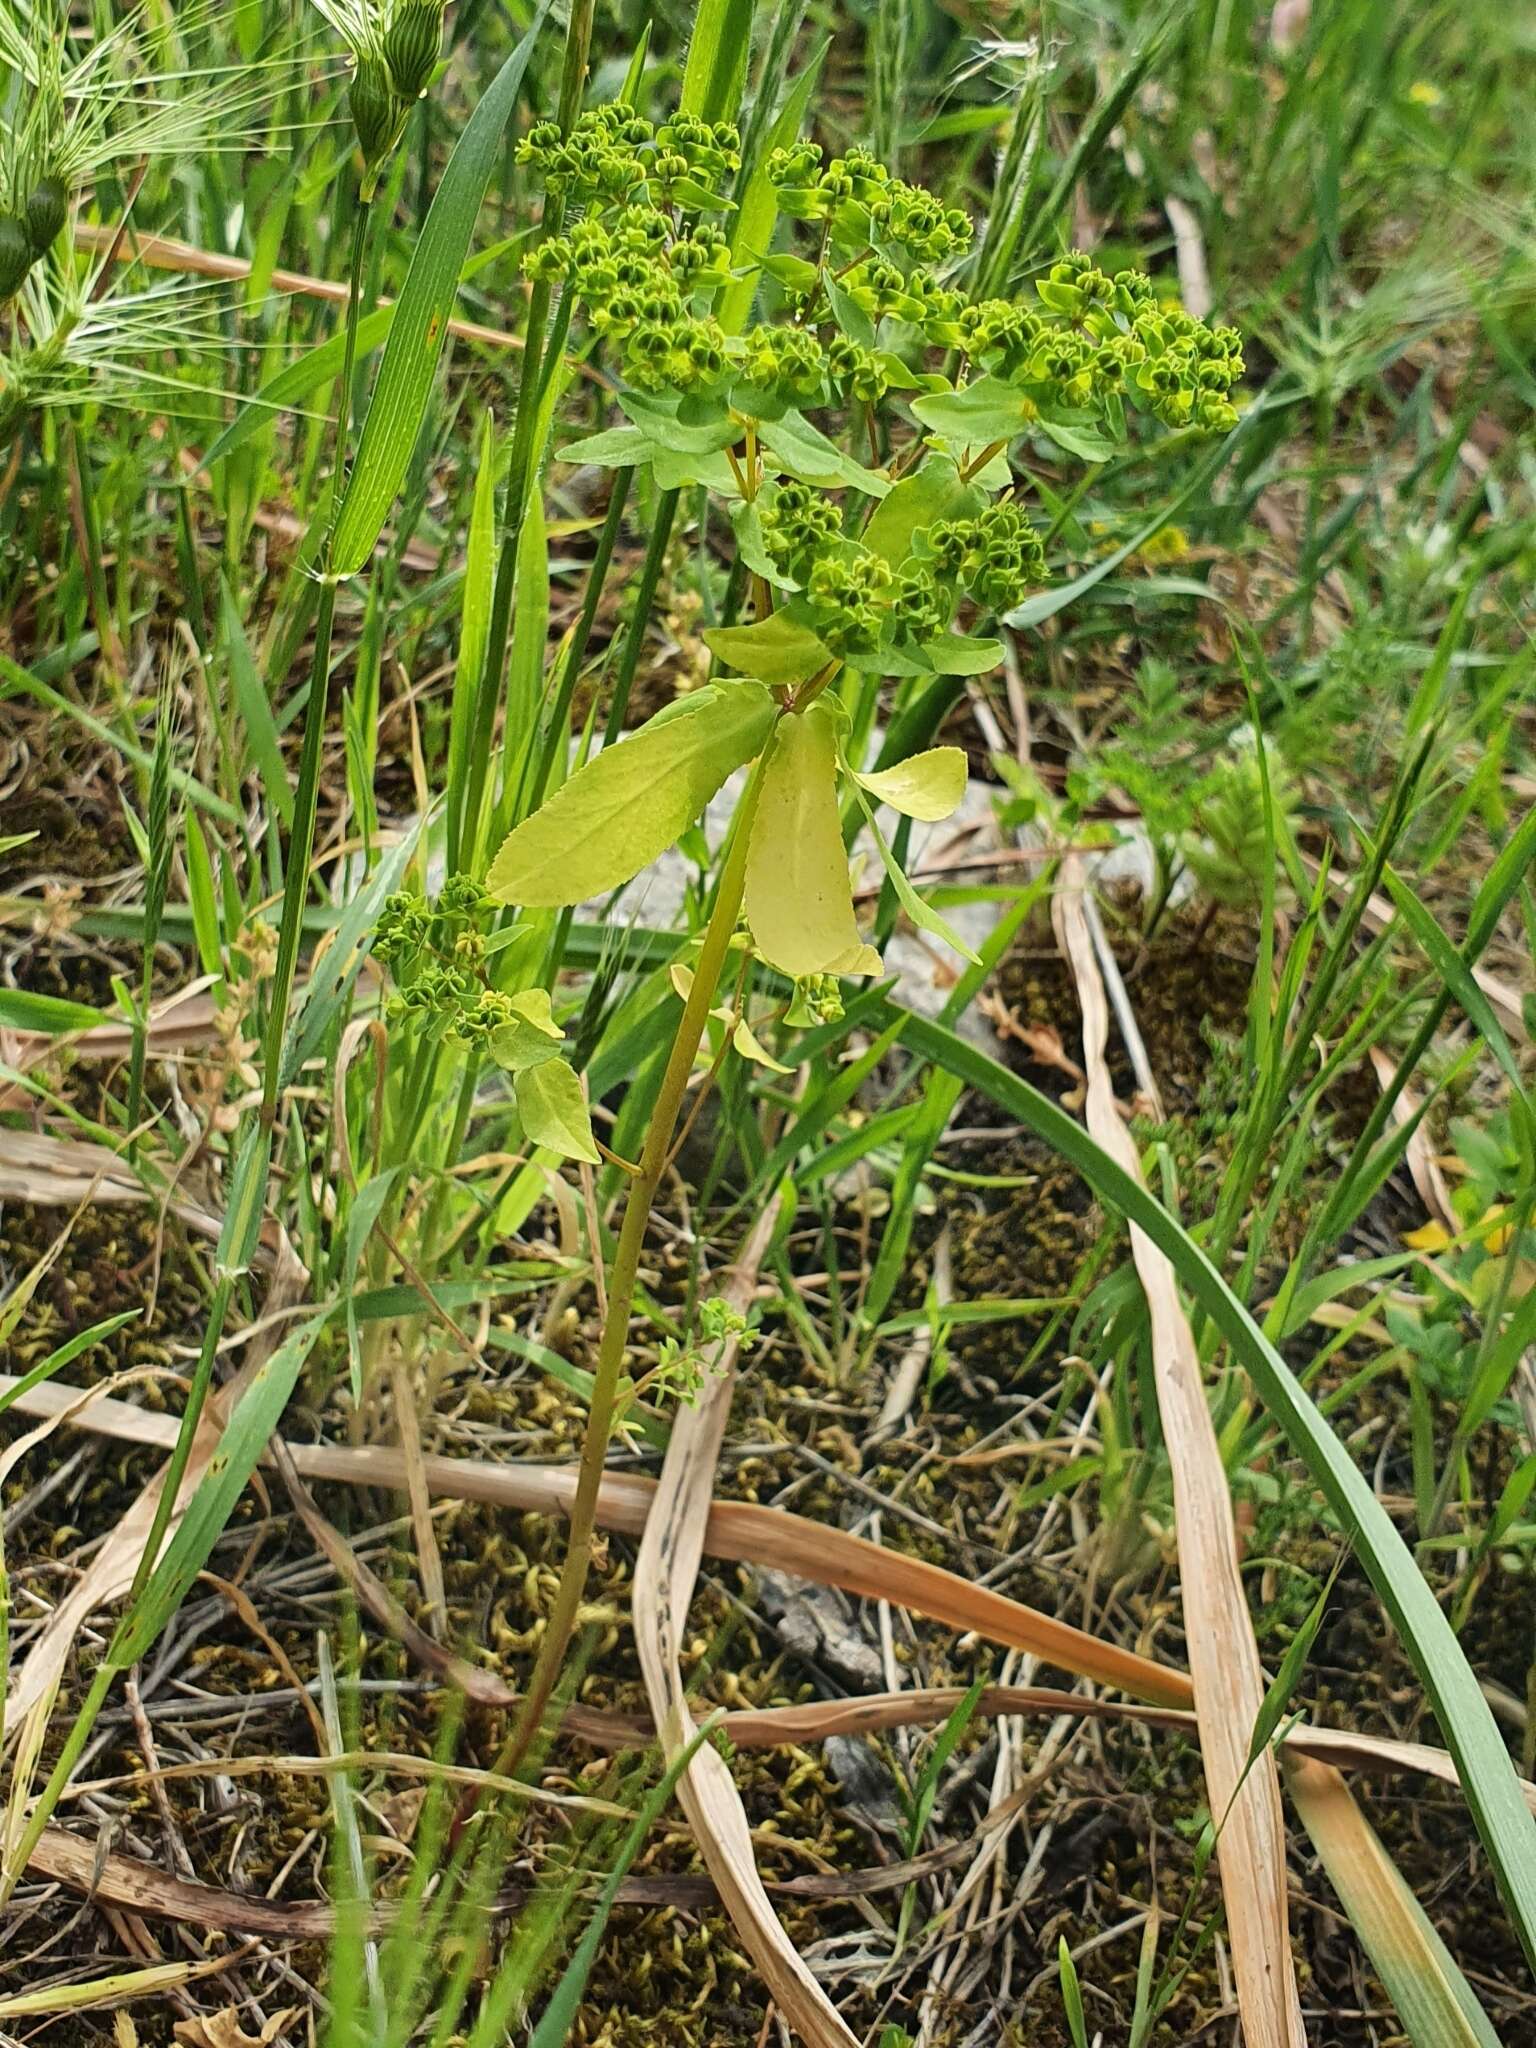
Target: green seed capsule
[16,256]
[411,46]
[47,209]
[376,110]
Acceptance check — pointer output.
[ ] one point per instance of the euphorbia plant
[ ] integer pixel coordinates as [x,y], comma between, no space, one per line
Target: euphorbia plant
[887,562]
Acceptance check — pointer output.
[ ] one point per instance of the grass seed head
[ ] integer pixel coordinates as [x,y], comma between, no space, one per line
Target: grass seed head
[16,255]
[47,210]
[412,44]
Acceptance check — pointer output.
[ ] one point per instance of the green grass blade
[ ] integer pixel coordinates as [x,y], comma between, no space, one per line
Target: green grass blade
[560,2014]
[716,73]
[255,707]
[1436,2004]
[213,1503]
[57,1015]
[313,370]
[1457,975]
[404,388]
[15,677]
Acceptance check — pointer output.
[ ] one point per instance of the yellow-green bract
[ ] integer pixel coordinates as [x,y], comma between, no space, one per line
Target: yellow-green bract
[798,901]
[624,808]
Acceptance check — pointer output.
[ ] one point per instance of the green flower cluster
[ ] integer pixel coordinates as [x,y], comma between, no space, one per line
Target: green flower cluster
[796,524]
[862,198]
[635,280]
[850,592]
[785,362]
[649,256]
[435,952]
[997,556]
[612,153]
[1101,338]
[817,999]
[858,603]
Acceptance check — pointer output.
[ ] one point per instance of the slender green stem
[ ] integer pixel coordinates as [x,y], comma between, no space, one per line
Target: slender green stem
[557,725]
[645,594]
[622,1277]
[301,837]
[538,364]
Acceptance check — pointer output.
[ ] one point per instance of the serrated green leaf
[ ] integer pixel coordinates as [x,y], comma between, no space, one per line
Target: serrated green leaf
[404,387]
[778,649]
[554,1110]
[798,900]
[631,802]
[926,786]
[715,74]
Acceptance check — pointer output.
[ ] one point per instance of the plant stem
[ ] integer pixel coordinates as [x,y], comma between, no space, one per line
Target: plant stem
[634,639]
[301,837]
[538,366]
[638,1199]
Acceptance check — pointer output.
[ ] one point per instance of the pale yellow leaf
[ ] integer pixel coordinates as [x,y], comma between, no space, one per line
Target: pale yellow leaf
[799,902]
[926,786]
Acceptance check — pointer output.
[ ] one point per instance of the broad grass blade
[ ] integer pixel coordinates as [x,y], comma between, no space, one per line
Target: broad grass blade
[716,73]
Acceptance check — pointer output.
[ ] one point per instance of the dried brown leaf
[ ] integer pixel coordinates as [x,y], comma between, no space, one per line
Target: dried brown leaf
[227,2030]
[1229,1680]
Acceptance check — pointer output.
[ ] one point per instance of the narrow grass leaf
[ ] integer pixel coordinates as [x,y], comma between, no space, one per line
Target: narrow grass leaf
[1241,1779]
[1456,972]
[559,2016]
[406,374]
[254,706]
[55,1016]
[314,369]
[256,1416]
